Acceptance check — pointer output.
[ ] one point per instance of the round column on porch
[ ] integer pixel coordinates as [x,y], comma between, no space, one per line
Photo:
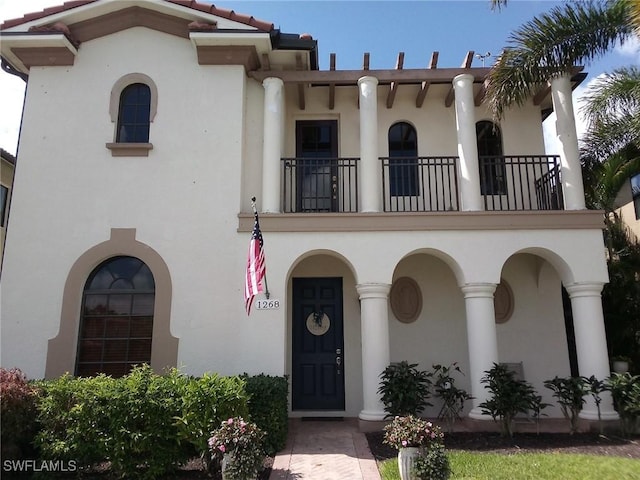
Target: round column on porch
[370,170]
[272,143]
[374,318]
[572,186]
[468,167]
[591,343]
[481,338]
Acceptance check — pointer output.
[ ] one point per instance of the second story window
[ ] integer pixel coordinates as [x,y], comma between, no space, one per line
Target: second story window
[134,114]
[492,168]
[403,160]
[635,192]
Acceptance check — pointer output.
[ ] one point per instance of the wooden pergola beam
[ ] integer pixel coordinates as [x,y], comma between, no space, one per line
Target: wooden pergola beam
[466,64]
[393,88]
[301,99]
[479,97]
[350,77]
[332,86]
[422,94]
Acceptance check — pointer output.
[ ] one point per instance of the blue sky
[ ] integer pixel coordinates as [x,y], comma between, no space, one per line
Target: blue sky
[351,28]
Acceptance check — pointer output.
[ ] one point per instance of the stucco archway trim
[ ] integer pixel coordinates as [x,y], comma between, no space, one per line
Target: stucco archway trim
[61,352]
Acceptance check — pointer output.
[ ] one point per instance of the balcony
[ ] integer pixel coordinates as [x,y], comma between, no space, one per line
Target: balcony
[422,184]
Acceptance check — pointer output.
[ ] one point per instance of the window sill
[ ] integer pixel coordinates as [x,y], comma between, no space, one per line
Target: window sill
[129,149]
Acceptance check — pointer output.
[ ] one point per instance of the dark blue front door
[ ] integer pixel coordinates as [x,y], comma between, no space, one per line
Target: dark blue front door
[318,344]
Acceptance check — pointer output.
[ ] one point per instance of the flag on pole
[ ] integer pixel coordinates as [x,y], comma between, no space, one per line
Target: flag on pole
[256,271]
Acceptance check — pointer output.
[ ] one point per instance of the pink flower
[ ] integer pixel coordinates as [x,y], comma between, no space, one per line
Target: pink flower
[404,443]
[222,448]
[230,421]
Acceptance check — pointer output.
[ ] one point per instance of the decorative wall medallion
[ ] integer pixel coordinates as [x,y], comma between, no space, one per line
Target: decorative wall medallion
[406,299]
[318,323]
[503,302]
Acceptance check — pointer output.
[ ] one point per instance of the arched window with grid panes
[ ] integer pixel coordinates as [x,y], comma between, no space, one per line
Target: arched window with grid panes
[134,114]
[117,318]
[493,179]
[403,160]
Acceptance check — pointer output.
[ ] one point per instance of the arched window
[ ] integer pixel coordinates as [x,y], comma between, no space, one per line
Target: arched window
[492,168]
[117,318]
[403,160]
[134,114]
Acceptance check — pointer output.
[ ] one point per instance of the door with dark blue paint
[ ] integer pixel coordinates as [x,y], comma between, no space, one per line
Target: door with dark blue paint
[317,376]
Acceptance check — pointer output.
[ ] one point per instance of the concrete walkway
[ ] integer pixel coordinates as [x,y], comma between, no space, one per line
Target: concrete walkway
[325,450]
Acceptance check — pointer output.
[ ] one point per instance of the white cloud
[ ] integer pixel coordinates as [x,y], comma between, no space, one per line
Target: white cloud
[631,48]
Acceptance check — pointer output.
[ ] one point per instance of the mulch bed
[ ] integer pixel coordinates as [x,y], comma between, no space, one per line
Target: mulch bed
[584,443]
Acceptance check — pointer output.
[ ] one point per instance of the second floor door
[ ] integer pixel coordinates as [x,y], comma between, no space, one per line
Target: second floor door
[317,165]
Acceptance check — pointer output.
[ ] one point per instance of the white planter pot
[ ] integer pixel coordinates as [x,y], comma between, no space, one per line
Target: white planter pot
[620,366]
[406,462]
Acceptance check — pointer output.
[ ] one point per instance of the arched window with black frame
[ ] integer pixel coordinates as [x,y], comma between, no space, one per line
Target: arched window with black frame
[492,168]
[134,114]
[403,160]
[116,322]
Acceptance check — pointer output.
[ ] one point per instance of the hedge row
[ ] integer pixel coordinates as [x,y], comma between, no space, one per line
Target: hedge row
[145,424]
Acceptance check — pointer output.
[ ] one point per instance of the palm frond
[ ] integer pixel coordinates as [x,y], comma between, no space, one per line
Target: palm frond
[552,44]
[612,106]
[498,4]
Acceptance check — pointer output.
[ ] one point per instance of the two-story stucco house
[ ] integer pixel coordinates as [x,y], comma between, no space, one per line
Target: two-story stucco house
[399,222]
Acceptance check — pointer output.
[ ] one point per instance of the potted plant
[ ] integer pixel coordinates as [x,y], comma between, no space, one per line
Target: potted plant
[414,438]
[238,444]
[404,389]
[620,363]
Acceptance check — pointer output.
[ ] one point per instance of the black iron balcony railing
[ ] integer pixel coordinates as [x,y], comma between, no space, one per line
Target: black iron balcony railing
[419,184]
[320,185]
[422,184]
[529,182]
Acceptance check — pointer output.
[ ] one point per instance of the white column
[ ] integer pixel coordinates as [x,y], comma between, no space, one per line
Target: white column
[370,174]
[272,143]
[591,343]
[468,169]
[481,338]
[374,319]
[571,172]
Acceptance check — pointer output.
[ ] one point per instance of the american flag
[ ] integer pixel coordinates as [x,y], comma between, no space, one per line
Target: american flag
[255,266]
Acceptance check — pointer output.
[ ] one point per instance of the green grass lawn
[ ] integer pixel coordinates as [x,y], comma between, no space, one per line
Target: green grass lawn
[530,466]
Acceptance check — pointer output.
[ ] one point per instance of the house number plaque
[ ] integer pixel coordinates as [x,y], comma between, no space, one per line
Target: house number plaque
[267,304]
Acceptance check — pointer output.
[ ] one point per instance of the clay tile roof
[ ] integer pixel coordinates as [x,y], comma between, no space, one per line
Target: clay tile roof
[224,13]
[7,156]
[202,7]
[44,13]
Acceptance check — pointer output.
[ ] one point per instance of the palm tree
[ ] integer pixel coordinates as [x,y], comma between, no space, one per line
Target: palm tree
[553,43]
[612,106]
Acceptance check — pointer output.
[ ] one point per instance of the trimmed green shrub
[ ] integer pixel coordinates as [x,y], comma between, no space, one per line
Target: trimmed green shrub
[268,408]
[207,401]
[74,416]
[18,412]
[143,438]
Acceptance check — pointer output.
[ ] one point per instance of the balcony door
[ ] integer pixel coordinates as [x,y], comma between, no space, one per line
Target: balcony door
[317,165]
